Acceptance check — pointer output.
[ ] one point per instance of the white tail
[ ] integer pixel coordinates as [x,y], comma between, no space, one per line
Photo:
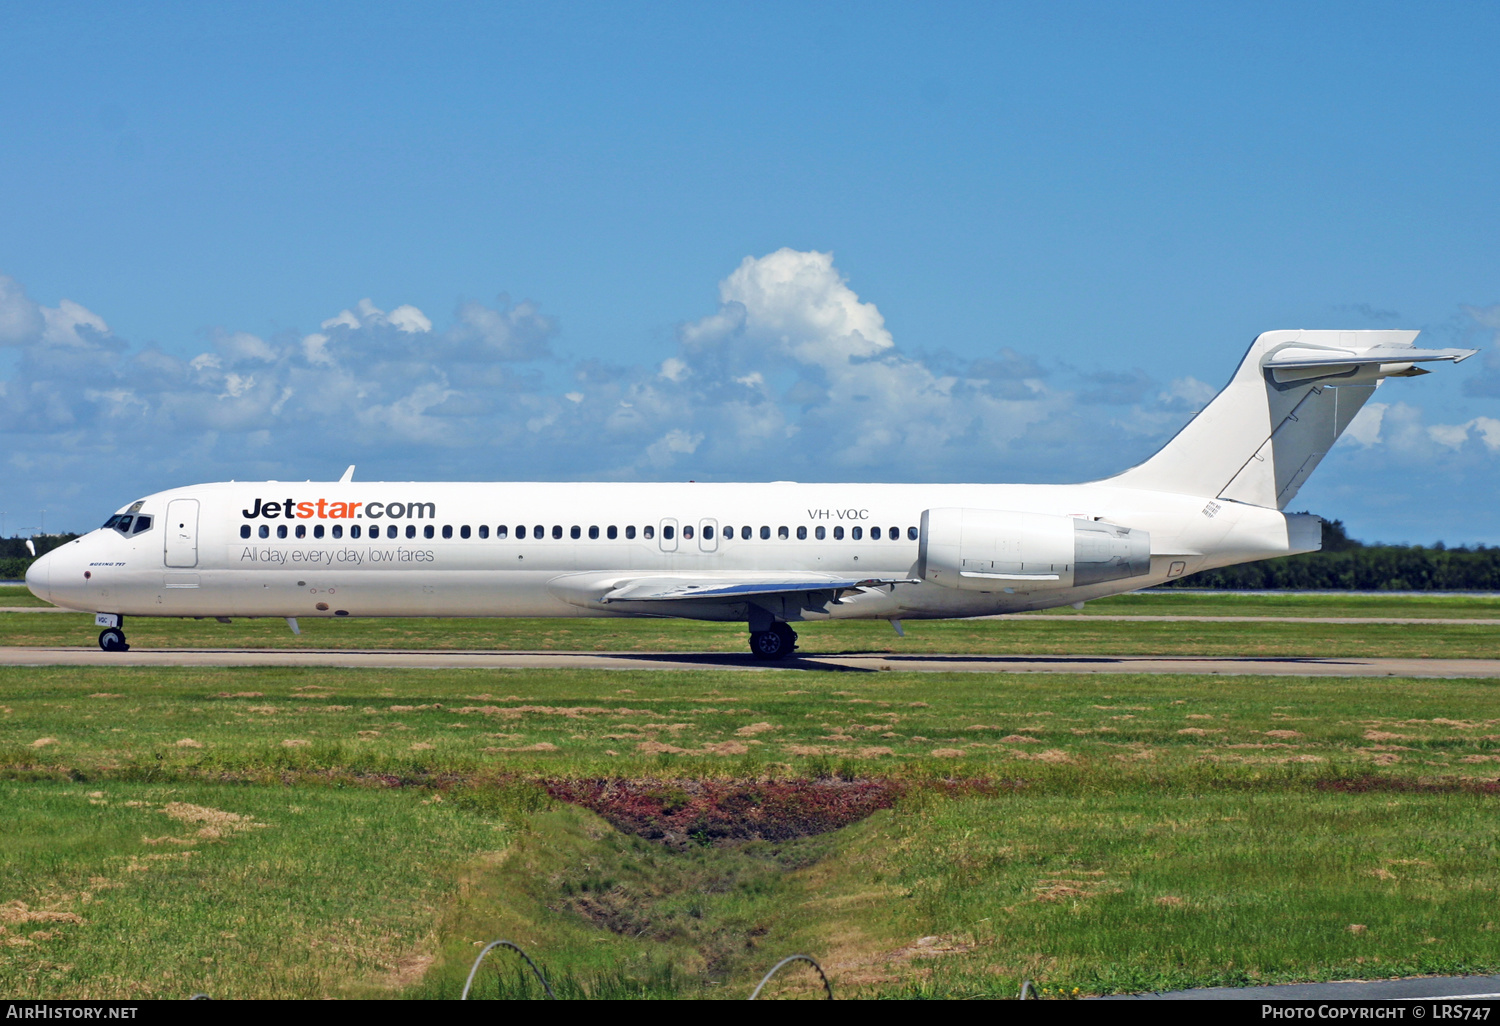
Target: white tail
[1291,398]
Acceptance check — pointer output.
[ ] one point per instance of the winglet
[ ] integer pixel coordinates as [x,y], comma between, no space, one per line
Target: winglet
[348,475]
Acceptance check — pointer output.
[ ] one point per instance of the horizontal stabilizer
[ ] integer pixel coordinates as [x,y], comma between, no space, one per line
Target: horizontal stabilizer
[1297,356]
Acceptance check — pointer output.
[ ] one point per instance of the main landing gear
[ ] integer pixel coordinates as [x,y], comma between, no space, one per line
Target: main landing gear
[776,643]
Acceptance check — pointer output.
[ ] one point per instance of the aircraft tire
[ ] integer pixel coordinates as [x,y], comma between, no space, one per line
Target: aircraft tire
[776,643]
[112,639]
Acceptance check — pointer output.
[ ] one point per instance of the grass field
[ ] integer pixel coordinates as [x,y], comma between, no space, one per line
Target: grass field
[1085,633]
[308,832]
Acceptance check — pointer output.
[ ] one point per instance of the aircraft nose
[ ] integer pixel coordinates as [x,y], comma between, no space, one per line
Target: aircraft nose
[39,577]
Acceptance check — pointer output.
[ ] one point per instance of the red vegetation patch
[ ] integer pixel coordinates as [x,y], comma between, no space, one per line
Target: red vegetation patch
[680,811]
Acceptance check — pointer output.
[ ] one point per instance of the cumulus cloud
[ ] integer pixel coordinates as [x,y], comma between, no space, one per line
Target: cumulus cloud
[20,318]
[1402,429]
[792,374]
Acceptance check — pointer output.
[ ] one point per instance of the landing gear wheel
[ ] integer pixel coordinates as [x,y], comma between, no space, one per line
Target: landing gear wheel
[776,643]
[112,639]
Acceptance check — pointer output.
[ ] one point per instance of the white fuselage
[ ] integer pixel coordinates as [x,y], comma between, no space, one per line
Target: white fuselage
[456,550]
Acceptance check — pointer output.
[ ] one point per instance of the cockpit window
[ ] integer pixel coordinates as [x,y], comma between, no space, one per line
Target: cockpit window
[127,524]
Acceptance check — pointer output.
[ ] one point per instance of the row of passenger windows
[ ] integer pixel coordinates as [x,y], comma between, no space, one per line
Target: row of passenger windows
[668,532]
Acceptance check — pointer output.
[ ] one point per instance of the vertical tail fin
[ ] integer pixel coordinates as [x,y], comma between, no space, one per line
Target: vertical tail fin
[1292,396]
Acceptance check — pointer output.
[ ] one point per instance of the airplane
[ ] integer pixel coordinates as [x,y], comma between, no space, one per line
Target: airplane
[766,554]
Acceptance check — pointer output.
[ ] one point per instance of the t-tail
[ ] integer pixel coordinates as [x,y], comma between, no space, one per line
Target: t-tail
[1292,396]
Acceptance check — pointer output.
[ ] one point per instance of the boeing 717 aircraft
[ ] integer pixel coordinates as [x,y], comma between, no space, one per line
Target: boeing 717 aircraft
[770,555]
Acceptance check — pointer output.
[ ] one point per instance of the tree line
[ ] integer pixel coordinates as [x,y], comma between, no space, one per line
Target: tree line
[14,559]
[1345,564]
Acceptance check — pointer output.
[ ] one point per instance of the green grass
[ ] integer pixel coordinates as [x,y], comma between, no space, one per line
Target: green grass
[1124,889]
[1109,834]
[19,595]
[257,724]
[305,893]
[1081,635]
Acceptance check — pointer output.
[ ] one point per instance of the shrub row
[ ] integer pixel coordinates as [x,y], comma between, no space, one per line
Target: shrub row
[1368,568]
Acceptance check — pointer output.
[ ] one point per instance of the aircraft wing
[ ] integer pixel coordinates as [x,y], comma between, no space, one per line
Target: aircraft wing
[669,589]
[595,589]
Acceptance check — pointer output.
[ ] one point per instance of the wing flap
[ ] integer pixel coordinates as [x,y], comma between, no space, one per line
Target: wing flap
[667,589]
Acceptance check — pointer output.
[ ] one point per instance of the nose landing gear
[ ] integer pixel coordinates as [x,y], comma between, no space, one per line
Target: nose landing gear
[112,639]
[775,643]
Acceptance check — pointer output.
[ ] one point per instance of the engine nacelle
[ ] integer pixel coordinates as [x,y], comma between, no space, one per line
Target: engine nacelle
[995,550]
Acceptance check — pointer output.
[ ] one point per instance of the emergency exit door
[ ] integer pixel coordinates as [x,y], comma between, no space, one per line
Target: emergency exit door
[182,532]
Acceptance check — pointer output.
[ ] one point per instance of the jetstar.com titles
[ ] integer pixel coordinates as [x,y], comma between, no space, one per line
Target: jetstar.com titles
[323,509]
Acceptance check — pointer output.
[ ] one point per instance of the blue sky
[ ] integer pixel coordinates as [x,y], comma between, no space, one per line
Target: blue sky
[632,241]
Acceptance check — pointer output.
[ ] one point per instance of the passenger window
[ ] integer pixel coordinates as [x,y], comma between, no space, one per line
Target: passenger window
[911,533]
[556,530]
[612,532]
[648,532]
[822,532]
[782,533]
[317,530]
[666,531]
[895,533]
[728,533]
[426,531]
[447,530]
[392,531]
[484,530]
[142,524]
[411,530]
[708,532]
[338,530]
[575,532]
[629,531]
[354,531]
[301,530]
[838,534]
[802,534]
[687,531]
[856,532]
[745,533]
[874,534]
[594,533]
[539,532]
[264,532]
[463,532]
[244,530]
[503,530]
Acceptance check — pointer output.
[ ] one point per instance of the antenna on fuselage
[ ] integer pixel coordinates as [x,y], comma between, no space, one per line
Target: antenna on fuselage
[348,475]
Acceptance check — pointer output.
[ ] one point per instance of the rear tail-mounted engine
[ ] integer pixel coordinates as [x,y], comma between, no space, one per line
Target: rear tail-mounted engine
[997,550]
